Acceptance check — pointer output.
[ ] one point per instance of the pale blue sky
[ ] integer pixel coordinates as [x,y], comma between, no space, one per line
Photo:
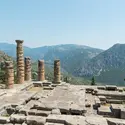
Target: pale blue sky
[96,23]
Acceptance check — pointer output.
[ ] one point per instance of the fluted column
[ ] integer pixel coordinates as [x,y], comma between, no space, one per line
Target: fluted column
[9,74]
[20,62]
[27,69]
[57,71]
[41,70]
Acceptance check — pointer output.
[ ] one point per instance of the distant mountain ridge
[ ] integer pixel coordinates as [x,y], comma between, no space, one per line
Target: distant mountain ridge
[107,66]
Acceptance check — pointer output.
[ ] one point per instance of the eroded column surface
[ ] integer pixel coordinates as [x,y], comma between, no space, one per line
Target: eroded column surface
[20,62]
[56,71]
[9,74]
[41,70]
[27,69]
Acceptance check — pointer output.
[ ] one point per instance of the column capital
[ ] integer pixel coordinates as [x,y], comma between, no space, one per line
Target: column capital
[41,61]
[27,58]
[57,60]
[19,41]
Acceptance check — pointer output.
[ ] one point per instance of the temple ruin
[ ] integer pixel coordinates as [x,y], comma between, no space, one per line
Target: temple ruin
[28,75]
[20,62]
[57,71]
[9,74]
[41,70]
[44,102]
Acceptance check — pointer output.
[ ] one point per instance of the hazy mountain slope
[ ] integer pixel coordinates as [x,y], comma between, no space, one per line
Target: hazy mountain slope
[48,71]
[108,66]
[71,56]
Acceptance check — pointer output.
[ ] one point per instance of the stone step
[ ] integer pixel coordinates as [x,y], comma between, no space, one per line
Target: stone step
[39,112]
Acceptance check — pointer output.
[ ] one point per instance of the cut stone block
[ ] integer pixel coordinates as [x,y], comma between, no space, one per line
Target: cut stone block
[76,109]
[56,112]
[111,87]
[115,108]
[91,120]
[47,83]
[112,121]
[89,90]
[97,103]
[66,119]
[113,101]
[102,98]
[54,123]
[4,120]
[64,107]
[104,110]
[42,113]
[101,87]
[123,113]
[35,120]
[17,118]
[38,84]
[48,88]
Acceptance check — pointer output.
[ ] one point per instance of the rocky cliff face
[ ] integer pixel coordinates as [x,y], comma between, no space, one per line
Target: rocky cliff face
[111,62]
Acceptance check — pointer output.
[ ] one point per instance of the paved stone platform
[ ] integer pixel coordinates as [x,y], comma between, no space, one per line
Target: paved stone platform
[65,104]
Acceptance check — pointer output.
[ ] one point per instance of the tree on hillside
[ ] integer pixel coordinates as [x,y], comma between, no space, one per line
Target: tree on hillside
[93,81]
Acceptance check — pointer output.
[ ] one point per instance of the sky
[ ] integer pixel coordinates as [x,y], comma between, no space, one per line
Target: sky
[95,23]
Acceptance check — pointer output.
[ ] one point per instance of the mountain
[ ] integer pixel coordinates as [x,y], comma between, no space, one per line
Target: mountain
[72,56]
[108,66]
[48,71]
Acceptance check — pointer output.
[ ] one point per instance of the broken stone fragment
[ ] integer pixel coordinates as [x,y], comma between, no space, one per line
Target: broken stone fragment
[56,111]
[17,118]
[4,120]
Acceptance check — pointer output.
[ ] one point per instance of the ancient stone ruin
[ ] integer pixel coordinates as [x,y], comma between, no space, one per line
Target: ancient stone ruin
[57,71]
[55,102]
[41,70]
[9,74]
[20,62]
[28,69]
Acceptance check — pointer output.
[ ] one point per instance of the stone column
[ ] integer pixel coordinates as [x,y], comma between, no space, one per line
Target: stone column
[20,62]
[28,69]
[9,74]
[57,71]
[41,70]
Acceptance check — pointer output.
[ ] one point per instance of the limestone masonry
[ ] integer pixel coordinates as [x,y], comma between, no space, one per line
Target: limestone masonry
[41,70]
[20,62]
[55,102]
[27,69]
[9,74]
[57,71]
